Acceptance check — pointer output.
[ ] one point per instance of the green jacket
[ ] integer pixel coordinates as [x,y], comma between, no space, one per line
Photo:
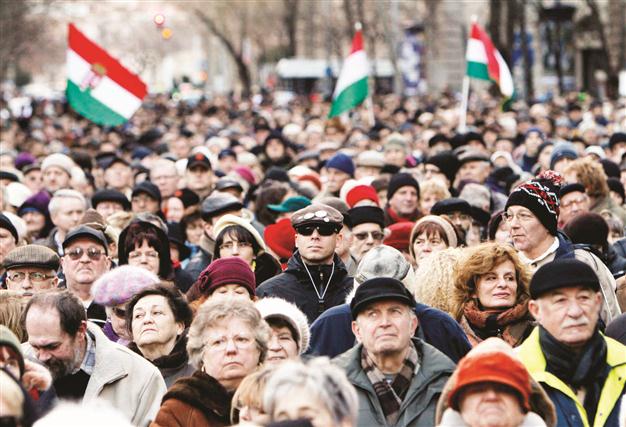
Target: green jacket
[418,407]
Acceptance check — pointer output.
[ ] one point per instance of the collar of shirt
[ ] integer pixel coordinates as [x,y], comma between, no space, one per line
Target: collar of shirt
[553,247]
[89,361]
[59,243]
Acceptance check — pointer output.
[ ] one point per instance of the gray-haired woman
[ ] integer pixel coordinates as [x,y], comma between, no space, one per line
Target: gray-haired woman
[317,391]
[227,340]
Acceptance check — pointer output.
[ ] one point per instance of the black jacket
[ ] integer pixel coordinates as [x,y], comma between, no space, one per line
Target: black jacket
[294,285]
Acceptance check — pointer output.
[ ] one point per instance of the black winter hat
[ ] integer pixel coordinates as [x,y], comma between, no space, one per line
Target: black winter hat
[540,196]
[366,214]
[570,188]
[400,180]
[562,273]
[589,228]
[380,288]
[616,138]
[450,205]
[611,169]
[616,185]
[447,163]
[148,188]
[110,195]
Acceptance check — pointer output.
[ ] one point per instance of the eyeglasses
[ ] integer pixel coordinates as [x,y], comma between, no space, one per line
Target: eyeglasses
[119,312]
[77,253]
[322,229]
[230,245]
[242,342]
[376,235]
[521,216]
[137,254]
[33,276]
[573,202]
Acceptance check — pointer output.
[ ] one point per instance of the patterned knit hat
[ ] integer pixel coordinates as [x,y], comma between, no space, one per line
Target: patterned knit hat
[541,197]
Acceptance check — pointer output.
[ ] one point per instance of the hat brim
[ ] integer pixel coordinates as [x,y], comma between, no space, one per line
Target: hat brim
[278,208]
[362,305]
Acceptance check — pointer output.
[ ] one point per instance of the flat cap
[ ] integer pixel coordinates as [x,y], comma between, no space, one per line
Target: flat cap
[380,289]
[563,273]
[218,203]
[31,256]
[110,195]
[317,214]
[149,188]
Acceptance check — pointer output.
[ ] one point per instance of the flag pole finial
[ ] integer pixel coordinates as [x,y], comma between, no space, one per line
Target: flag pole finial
[358,26]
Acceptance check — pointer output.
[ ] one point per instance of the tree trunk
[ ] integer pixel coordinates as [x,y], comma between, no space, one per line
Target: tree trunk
[243,71]
[528,72]
[612,74]
[495,16]
[290,20]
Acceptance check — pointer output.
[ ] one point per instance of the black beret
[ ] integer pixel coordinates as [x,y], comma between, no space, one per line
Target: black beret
[378,289]
[562,273]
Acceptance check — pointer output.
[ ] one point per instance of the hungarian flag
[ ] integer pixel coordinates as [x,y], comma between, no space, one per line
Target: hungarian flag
[352,88]
[98,86]
[484,62]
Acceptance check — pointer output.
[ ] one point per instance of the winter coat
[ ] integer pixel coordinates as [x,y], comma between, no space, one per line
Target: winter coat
[201,259]
[131,384]
[294,285]
[195,401]
[418,406]
[331,333]
[607,203]
[174,365]
[569,410]
[50,242]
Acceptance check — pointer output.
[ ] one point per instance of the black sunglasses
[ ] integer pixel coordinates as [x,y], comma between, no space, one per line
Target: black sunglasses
[322,229]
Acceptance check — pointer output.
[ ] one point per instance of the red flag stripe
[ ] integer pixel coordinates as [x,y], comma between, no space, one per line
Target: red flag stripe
[492,62]
[357,42]
[93,53]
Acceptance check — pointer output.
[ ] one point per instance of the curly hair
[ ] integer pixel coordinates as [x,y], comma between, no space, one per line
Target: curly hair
[591,175]
[480,260]
[213,312]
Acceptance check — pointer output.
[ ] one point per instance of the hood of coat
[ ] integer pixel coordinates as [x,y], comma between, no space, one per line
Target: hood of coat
[166,272]
[452,418]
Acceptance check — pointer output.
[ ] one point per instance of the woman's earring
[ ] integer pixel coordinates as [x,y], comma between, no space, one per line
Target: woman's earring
[253,266]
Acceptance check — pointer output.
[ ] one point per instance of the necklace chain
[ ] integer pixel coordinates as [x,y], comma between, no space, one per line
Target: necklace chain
[320,297]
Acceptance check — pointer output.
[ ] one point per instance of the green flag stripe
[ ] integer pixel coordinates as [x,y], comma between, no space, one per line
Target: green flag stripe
[477,70]
[91,108]
[352,96]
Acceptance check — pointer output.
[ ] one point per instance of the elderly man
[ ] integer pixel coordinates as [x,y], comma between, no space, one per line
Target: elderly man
[337,170]
[118,175]
[403,195]
[474,166]
[108,201]
[164,174]
[316,278]
[85,259]
[56,171]
[31,269]
[331,333]
[398,378]
[582,371]
[84,364]
[146,197]
[368,223]
[66,207]
[574,201]
[531,213]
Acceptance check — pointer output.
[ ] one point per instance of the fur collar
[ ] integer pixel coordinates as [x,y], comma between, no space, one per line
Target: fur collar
[453,418]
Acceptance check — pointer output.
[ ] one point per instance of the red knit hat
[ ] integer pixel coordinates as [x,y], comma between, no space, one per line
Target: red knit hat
[361,192]
[314,179]
[491,367]
[400,234]
[227,271]
[281,238]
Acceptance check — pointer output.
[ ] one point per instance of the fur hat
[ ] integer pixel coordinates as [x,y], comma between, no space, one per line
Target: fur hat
[272,307]
[59,160]
[119,285]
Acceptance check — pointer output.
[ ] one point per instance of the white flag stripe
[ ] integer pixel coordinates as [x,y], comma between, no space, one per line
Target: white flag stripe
[476,51]
[354,68]
[506,80]
[108,92]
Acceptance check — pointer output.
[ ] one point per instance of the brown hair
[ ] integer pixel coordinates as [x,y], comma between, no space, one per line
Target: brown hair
[480,260]
[250,391]
[11,308]
[591,175]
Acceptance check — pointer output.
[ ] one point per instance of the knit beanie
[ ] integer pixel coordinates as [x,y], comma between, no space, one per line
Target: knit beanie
[611,169]
[441,222]
[447,163]
[227,271]
[7,224]
[341,162]
[562,273]
[540,196]
[589,228]
[281,238]
[361,192]
[398,237]
[616,185]
[119,285]
[8,338]
[491,367]
[400,180]
[563,150]
[273,307]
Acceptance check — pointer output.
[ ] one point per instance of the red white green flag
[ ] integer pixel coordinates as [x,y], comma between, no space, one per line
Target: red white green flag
[98,86]
[484,62]
[352,88]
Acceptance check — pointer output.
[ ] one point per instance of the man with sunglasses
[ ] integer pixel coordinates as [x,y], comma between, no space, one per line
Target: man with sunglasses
[31,269]
[85,259]
[316,278]
[368,224]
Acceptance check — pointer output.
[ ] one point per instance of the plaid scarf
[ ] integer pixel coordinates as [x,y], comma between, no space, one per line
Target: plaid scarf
[390,395]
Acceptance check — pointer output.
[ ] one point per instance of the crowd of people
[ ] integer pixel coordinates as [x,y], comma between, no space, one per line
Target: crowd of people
[238,262]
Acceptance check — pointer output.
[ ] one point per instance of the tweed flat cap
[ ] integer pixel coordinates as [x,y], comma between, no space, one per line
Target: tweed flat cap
[31,256]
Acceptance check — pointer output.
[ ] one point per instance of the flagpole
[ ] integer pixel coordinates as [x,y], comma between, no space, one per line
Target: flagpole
[465,95]
[367,103]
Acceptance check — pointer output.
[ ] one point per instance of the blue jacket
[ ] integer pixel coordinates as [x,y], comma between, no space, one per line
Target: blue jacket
[331,333]
[569,410]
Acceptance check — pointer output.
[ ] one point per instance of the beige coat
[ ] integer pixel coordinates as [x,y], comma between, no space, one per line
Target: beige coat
[130,383]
